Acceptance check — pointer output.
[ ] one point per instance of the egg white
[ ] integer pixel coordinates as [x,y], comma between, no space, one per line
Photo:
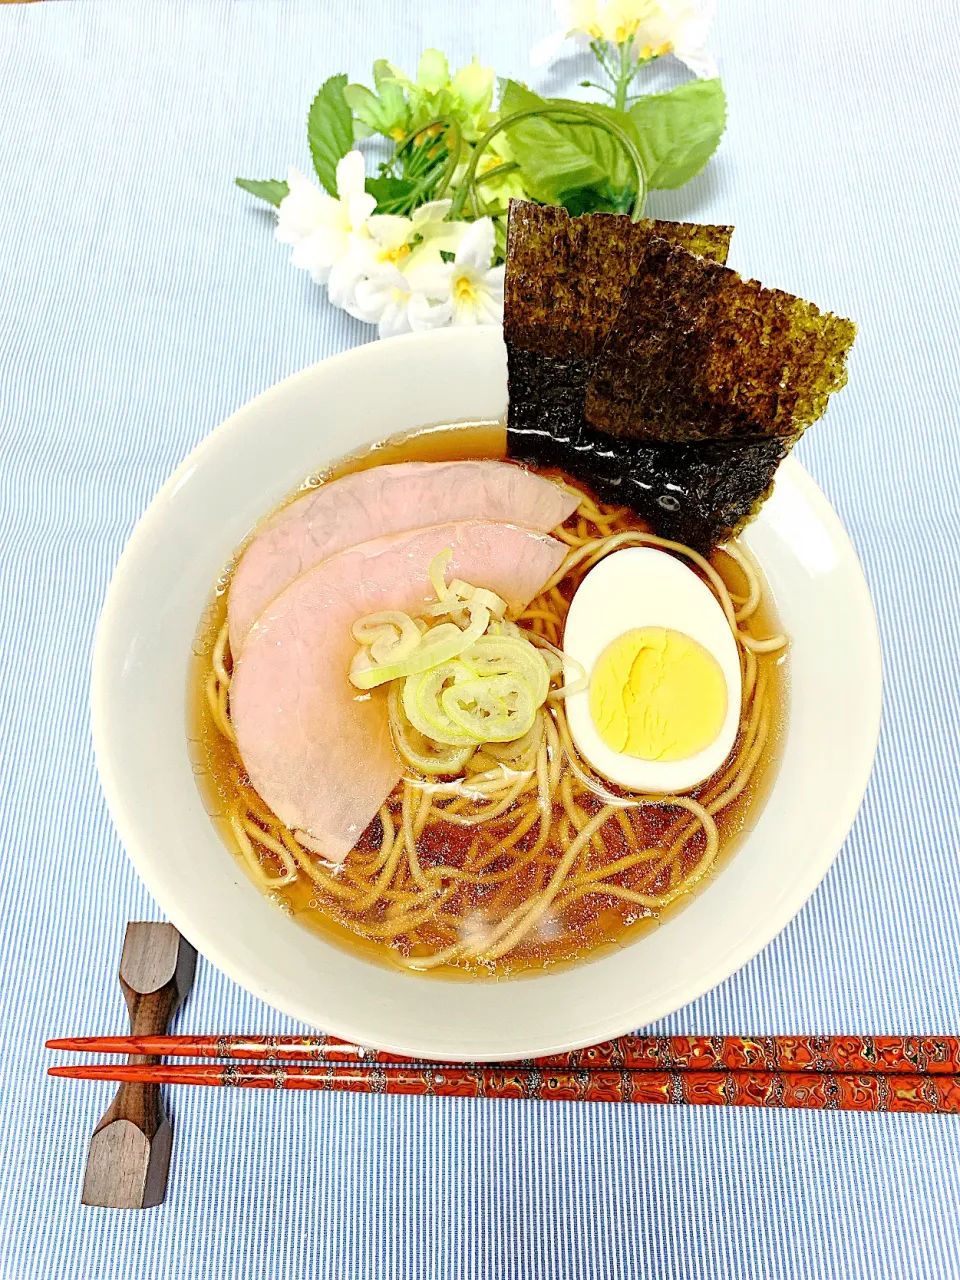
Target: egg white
[645,587]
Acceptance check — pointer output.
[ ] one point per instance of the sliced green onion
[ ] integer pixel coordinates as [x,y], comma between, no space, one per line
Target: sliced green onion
[438,570]
[560,663]
[510,656]
[429,653]
[389,635]
[469,680]
[493,709]
[422,707]
[417,749]
[479,595]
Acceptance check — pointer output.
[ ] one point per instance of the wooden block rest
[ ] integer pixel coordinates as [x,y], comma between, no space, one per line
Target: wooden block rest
[130,1148]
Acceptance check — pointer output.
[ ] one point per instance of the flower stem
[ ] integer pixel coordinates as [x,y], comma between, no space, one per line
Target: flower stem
[453,159]
[423,164]
[626,73]
[620,95]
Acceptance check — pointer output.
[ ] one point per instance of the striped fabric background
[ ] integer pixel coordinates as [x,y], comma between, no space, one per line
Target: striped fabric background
[142,299]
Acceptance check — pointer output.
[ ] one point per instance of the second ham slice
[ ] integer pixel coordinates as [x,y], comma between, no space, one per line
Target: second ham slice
[318,751]
[369,504]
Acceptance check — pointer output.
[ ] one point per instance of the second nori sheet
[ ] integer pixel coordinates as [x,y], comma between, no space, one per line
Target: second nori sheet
[697,353]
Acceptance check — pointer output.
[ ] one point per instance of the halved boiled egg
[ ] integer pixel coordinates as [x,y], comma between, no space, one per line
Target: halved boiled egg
[662,707]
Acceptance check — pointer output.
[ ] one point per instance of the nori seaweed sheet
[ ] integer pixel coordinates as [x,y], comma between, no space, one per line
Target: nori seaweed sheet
[700,494]
[566,277]
[698,353]
[569,335]
[565,282]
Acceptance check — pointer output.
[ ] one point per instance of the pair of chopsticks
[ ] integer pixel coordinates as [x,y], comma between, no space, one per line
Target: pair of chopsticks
[918,1074]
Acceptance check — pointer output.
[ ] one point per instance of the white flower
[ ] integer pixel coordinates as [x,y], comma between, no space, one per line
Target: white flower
[682,25]
[402,242]
[387,246]
[320,226]
[389,298]
[465,291]
[657,27]
[342,282]
[436,236]
[613,21]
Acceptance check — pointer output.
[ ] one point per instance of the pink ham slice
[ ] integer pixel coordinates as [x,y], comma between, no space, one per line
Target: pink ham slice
[317,750]
[369,504]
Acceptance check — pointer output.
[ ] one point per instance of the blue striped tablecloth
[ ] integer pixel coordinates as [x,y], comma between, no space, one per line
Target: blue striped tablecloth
[142,299]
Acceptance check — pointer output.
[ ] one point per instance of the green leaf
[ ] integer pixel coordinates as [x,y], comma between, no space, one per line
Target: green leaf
[599,199]
[389,192]
[447,256]
[558,159]
[678,132]
[330,130]
[269,189]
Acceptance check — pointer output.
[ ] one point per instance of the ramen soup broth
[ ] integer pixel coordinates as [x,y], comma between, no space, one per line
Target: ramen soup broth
[558,873]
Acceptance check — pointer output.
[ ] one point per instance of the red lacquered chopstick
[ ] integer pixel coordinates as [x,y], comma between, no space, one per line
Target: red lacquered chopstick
[884,1055]
[818,1091]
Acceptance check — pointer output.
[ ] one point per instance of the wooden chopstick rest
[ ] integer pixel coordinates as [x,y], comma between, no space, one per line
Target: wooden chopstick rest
[130,1148]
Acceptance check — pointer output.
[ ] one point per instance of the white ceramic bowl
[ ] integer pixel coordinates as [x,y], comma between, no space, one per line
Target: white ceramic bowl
[139,680]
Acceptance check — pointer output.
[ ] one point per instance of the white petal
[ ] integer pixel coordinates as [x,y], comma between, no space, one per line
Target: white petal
[343,280]
[388,287]
[366,249]
[476,247]
[324,248]
[684,24]
[351,175]
[464,317]
[433,281]
[493,282]
[311,254]
[359,209]
[424,315]
[370,300]
[437,236]
[490,310]
[699,61]
[359,313]
[390,230]
[433,211]
[303,255]
[395,320]
[299,184]
[302,210]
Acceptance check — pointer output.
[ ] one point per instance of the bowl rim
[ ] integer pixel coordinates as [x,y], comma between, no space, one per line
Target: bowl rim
[779,915]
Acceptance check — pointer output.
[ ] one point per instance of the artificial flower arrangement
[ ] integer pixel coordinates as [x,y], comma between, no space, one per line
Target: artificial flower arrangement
[421,243]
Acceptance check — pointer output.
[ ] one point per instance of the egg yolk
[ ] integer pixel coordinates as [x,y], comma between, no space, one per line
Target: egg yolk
[657,694]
